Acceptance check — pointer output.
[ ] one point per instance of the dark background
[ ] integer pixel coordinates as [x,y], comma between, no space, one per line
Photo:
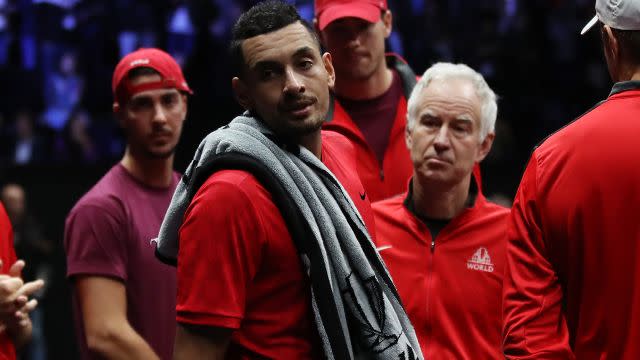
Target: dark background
[56,60]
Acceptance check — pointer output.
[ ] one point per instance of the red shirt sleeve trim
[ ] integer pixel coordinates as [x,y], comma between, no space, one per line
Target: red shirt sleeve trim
[188,317]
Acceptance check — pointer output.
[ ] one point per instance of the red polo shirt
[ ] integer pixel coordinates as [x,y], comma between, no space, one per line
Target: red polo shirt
[238,267]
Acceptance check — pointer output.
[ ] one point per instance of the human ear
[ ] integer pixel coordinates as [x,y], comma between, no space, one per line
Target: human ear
[407,138]
[485,147]
[387,20]
[328,66]
[117,111]
[241,92]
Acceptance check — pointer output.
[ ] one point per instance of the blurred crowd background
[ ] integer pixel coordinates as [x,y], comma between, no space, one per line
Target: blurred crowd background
[58,136]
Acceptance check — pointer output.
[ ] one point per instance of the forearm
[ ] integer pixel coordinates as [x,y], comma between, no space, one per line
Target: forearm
[119,342]
[195,342]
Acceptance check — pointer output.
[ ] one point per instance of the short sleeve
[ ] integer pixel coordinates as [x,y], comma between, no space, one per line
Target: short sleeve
[94,240]
[221,242]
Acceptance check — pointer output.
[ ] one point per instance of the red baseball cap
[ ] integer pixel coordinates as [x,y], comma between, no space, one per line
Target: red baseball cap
[330,10]
[155,59]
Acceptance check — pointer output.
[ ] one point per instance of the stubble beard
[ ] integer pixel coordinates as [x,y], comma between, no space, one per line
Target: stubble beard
[309,127]
[158,154]
[148,152]
[355,72]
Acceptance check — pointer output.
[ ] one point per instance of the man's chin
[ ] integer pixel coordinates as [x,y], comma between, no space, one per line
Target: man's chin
[308,128]
[356,71]
[161,153]
[436,176]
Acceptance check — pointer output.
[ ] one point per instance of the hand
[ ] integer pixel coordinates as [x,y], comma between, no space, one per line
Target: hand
[14,297]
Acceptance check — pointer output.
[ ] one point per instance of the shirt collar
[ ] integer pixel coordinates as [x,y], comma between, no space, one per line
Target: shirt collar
[625,86]
[469,203]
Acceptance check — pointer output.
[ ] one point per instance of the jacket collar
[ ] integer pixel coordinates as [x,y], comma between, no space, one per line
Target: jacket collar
[473,199]
[625,86]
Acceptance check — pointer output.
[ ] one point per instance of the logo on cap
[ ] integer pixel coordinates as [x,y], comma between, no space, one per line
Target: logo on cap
[139,62]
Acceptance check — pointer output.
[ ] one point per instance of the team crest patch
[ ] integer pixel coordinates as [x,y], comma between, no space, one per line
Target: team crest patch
[480,261]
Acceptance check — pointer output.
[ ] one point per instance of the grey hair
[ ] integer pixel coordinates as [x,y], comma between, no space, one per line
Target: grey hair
[439,71]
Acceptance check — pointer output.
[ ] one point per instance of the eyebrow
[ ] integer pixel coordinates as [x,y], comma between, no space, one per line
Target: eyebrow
[429,113]
[305,50]
[464,117]
[426,113]
[264,64]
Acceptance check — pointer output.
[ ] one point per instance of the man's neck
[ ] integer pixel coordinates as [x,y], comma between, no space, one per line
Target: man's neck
[437,201]
[365,89]
[155,173]
[313,143]
[627,72]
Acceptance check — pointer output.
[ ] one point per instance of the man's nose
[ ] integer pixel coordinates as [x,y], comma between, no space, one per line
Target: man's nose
[293,82]
[353,40]
[159,113]
[442,141]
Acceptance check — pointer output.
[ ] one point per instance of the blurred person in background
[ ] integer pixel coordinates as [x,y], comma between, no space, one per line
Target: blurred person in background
[138,23]
[32,246]
[7,34]
[370,97]
[63,92]
[443,241]
[27,146]
[76,143]
[53,31]
[15,305]
[181,35]
[124,299]
[571,278]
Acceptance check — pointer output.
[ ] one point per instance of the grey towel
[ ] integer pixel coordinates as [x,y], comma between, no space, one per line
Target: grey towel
[370,321]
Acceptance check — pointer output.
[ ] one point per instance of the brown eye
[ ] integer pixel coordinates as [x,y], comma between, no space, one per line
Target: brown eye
[170,99]
[306,64]
[268,74]
[462,127]
[430,121]
[139,104]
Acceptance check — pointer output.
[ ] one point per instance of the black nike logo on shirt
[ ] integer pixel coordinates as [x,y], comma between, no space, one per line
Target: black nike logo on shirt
[363,195]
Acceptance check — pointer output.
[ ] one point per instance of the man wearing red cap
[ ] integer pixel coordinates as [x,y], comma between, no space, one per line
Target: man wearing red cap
[371,91]
[124,299]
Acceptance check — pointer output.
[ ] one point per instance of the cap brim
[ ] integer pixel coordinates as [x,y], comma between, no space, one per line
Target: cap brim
[364,11]
[589,25]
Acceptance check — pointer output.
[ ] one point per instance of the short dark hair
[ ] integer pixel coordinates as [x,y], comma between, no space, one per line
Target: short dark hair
[263,18]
